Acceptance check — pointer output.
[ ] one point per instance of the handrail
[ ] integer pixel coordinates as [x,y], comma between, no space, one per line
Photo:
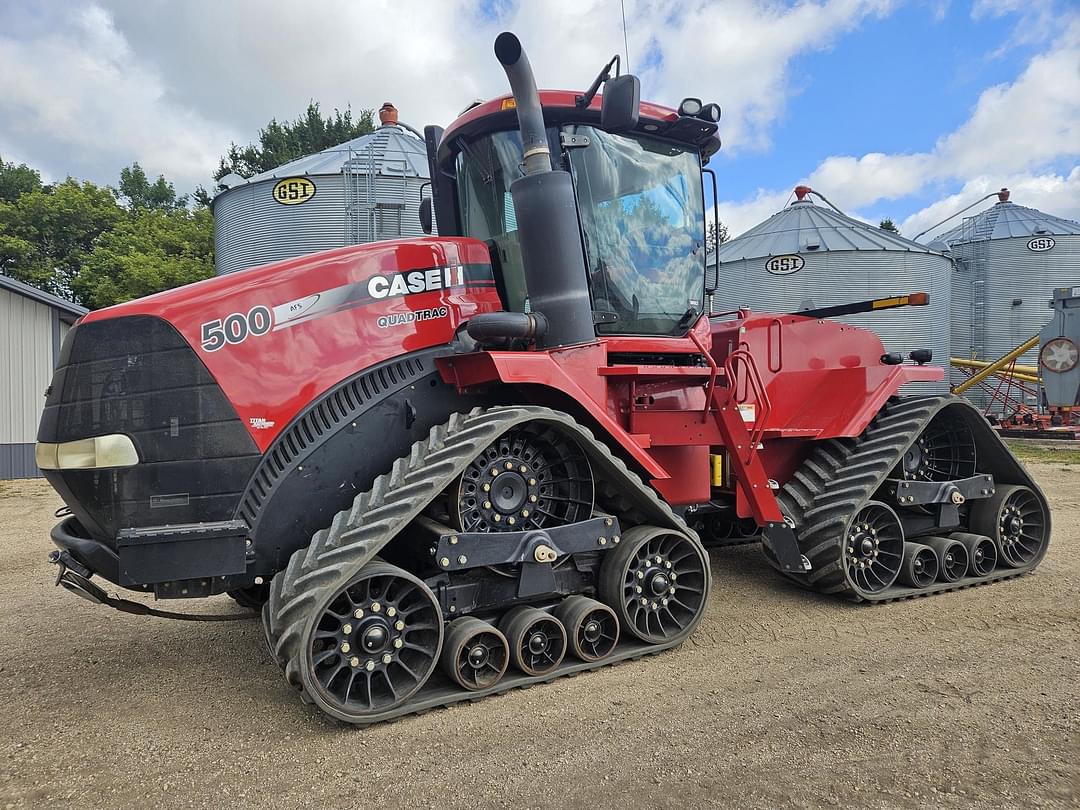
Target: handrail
[753,378]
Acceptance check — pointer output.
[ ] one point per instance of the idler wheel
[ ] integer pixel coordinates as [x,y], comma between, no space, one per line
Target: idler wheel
[475,654]
[873,548]
[952,557]
[657,581]
[920,566]
[537,640]
[1016,519]
[592,628]
[372,643]
[982,553]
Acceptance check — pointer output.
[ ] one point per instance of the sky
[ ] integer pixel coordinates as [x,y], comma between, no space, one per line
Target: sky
[890,108]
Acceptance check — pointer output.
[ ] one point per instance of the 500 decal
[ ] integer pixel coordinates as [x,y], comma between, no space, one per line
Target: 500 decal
[236,328]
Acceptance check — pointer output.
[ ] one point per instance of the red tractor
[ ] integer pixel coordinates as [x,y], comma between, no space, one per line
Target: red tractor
[449,466]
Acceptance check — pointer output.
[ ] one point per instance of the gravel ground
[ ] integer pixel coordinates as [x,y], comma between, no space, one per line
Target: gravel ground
[781,699]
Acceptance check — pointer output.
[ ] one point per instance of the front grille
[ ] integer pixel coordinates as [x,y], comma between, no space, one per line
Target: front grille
[137,376]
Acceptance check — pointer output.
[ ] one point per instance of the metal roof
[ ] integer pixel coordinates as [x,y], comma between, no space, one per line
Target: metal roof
[805,227]
[8,283]
[390,149]
[1004,220]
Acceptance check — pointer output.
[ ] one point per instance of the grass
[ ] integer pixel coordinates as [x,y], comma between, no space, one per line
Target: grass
[1044,453]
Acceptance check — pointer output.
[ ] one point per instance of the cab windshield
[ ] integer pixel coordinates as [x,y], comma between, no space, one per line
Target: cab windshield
[642,215]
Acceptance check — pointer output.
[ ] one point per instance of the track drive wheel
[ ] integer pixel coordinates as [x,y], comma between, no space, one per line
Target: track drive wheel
[537,640]
[1015,518]
[657,581]
[371,644]
[475,653]
[592,628]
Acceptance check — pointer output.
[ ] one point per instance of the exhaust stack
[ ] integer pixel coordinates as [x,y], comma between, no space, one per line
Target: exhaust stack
[547,219]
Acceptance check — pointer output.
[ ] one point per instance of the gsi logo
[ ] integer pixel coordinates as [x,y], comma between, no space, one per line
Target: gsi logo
[1040,244]
[785,265]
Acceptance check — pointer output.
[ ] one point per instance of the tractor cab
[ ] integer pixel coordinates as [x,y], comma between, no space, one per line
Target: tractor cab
[621,200]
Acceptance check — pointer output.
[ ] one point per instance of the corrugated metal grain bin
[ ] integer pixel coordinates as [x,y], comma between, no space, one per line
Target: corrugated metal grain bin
[1009,259]
[363,190]
[809,256]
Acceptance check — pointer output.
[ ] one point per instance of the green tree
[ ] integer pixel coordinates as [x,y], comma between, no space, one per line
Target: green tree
[47,233]
[17,180]
[140,193]
[717,234]
[888,225]
[281,142]
[148,251]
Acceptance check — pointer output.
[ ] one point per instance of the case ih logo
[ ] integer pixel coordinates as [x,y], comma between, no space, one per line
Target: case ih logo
[415,281]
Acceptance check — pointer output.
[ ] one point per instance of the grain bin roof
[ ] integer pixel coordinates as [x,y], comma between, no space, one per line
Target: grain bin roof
[804,227]
[1007,219]
[388,146]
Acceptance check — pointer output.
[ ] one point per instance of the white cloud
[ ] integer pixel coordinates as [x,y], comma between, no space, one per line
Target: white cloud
[170,84]
[1015,135]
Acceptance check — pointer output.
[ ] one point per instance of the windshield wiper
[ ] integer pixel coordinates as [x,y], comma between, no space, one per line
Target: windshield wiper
[688,317]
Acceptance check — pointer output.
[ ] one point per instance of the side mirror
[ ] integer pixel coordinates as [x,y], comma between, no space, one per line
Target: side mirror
[425,214]
[621,103]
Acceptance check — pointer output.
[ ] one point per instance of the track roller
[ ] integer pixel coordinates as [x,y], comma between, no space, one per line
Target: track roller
[920,565]
[982,553]
[952,557]
[1016,520]
[475,654]
[537,640]
[873,548]
[657,580]
[592,628]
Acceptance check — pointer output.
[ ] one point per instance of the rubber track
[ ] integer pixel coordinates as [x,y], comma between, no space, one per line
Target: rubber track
[841,475]
[356,535]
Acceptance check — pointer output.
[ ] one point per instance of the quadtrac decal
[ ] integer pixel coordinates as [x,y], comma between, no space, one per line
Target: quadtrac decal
[237,327]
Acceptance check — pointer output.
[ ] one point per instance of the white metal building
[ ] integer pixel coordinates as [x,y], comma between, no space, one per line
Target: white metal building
[32,329]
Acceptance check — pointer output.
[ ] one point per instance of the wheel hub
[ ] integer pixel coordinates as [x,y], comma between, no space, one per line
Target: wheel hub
[659,584]
[510,492]
[478,656]
[1012,524]
[592,631]
[374,639]
[538,642]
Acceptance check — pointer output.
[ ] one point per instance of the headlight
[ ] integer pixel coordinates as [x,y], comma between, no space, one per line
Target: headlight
[97,453]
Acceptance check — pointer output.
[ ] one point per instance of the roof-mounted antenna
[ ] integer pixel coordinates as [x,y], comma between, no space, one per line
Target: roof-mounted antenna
[626,46]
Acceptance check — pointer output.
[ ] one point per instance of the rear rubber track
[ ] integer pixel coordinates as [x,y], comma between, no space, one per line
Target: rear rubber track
[356,535]
[841,475]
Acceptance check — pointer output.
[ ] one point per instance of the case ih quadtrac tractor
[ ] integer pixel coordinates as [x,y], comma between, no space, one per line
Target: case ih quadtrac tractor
[446,467]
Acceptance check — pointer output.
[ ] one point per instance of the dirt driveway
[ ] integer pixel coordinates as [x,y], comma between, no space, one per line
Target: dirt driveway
[781,699]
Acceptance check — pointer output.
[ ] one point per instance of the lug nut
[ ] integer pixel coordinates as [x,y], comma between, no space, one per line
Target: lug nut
[497,518]
[486,487]
[644,601]
[375,607]
[445,562]
[511,520]
[358,613]
[637,589]
[387,658]
[532,482]
[671,590]
[524,512]
[616,539]
[523,468]
[602,541]
[397,643]
[399,625]
[345,647]
[667,563]
[641,575]
[532,499]
[608,522]
[370,665]
[391,612]
[453,539]
[494,471]
[509,465]
[354,662]
[346,629]
[487,504]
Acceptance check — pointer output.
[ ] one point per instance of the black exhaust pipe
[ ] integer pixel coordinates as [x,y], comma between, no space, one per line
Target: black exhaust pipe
[546,212]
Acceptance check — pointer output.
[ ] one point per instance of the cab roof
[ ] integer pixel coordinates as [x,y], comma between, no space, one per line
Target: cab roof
[560,107]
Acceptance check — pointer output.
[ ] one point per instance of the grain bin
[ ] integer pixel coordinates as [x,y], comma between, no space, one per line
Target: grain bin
[1009,259]
[809,256]
[364,190]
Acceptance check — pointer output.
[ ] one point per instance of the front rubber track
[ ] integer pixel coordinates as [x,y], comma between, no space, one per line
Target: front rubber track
[841,475]
[357,534]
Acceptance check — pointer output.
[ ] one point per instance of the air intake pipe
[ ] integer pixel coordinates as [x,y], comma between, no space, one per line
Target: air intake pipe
[546,213]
